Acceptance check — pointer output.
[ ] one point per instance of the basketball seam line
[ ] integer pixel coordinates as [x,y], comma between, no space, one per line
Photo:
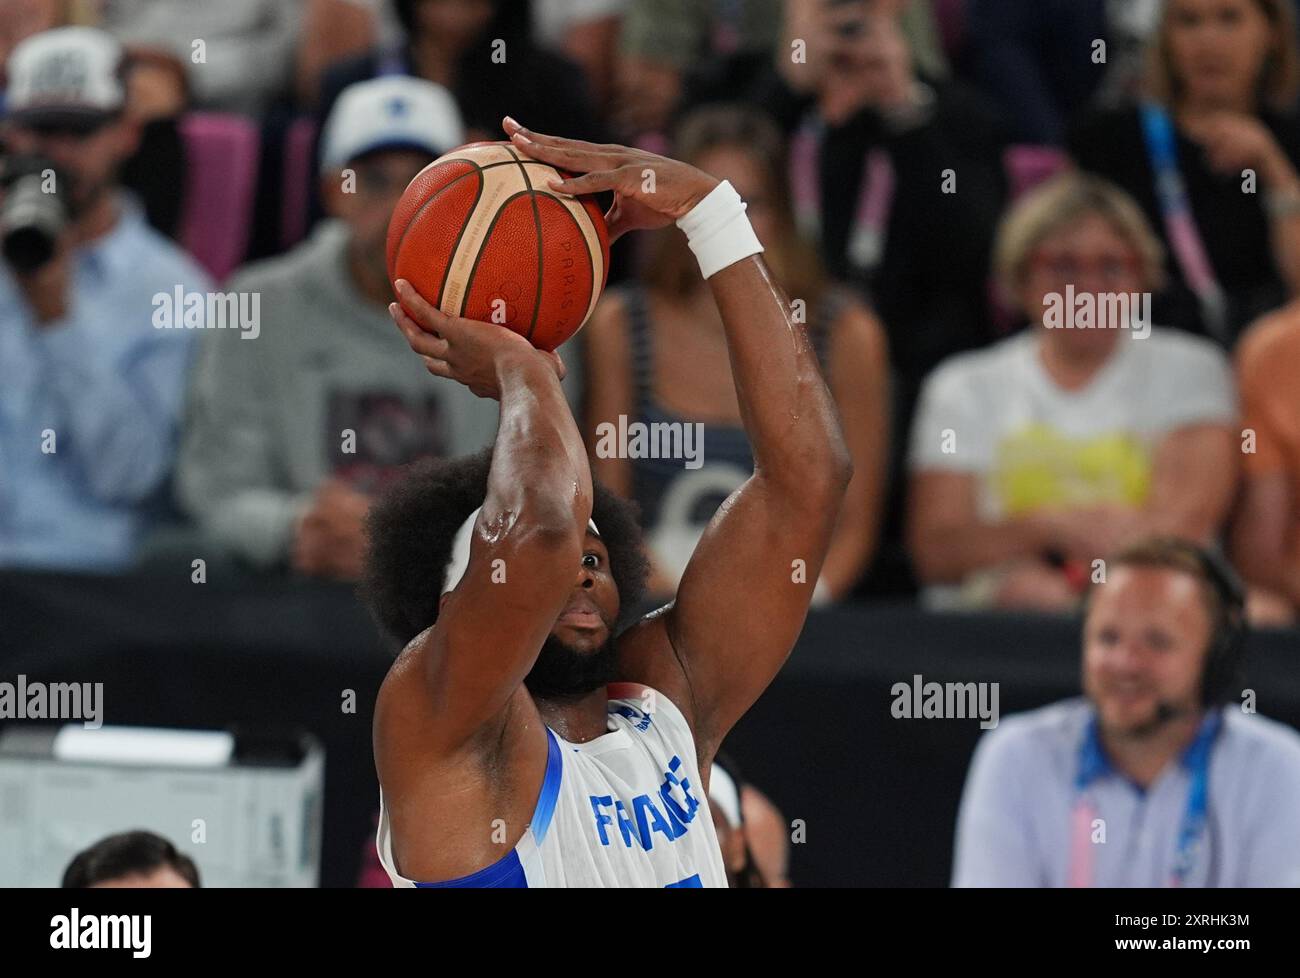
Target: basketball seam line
[487,235]
[537,223]
[455,245]
[489,166]
[591,253]
[442,287]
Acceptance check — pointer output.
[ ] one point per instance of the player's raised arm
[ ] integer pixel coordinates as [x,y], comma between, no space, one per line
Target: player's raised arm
[531,527]
[745,593]
[744,596]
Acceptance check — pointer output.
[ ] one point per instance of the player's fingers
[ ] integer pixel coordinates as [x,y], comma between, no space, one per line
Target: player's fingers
[558,364]
[431,346]
[581,161]
[570,155]
[439,368]
[405,323]
[562,142]
[421,341]
[427,316]
[590,183]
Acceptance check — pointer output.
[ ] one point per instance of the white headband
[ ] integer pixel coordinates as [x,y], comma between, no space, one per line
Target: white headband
[724,794]
[459,562]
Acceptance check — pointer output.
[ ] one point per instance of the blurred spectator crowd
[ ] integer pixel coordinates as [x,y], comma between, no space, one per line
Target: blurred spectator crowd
[1048,252]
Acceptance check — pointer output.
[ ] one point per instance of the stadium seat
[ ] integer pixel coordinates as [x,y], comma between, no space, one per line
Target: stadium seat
[221,162]
[297,180]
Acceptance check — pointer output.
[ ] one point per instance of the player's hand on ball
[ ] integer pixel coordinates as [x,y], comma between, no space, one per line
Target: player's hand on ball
[650,191]
[471,353]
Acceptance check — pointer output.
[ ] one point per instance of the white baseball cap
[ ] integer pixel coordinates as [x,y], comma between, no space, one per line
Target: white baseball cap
[69,75]
[391,112]
[724,794]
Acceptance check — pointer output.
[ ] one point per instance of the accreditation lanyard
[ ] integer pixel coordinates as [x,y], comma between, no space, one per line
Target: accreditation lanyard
[1092,764]
[394,61]
[1180,225]
[875,195]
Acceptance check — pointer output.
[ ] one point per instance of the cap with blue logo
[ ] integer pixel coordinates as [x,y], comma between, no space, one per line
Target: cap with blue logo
[391,112]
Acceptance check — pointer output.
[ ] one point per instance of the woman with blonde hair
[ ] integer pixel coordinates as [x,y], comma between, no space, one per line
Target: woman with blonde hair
[656,354]
[1211,154]
[1035,458]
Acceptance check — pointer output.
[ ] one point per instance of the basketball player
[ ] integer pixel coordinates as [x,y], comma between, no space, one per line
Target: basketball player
[520,740]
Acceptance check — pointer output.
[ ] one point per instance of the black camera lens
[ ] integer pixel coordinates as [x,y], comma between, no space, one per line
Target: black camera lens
[27,249]
[32,215]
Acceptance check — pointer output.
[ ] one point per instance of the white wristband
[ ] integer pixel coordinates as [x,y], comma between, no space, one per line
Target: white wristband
[718,231]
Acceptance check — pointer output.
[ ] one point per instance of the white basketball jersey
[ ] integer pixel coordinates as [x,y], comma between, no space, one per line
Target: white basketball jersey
[625,809]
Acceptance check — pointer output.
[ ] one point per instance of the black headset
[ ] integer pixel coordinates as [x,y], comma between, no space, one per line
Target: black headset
[1227,649]
[1222,665]
[1228,644]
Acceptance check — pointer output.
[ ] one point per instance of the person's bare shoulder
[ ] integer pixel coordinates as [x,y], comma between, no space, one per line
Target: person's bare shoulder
[1273,340]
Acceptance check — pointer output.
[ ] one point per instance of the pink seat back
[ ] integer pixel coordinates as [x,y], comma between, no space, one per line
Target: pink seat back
[221,158]
[295,196]
[1028,166]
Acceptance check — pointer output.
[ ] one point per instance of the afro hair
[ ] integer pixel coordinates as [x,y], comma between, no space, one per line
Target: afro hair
[413,524]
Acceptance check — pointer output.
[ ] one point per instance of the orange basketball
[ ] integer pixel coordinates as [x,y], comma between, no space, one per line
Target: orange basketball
[480,235]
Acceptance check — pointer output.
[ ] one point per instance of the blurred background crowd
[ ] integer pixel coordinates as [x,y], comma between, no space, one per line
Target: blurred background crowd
[925,174]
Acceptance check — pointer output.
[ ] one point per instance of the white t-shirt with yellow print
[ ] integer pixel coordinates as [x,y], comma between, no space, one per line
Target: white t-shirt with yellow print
[997,414]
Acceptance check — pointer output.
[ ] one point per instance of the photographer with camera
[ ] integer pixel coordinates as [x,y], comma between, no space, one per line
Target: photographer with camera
[90,390]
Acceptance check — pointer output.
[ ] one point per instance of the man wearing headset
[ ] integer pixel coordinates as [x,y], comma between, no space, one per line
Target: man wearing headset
[1158,776]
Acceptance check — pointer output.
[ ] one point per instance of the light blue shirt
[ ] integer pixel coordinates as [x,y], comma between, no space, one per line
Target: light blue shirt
[104,389]
[1018,820]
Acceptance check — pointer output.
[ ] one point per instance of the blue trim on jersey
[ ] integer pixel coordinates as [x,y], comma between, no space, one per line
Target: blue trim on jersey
[550,789]
[506,872]
[690,883]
